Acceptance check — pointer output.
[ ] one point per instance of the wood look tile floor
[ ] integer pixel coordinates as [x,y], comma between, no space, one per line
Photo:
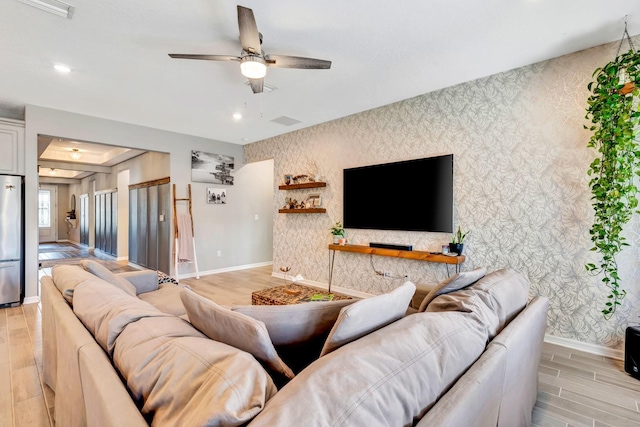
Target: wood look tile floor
[575,388]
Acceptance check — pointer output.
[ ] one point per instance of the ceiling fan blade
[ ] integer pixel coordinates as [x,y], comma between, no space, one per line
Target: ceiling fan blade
[285,61]
[249,35]
[205,57]
[257,85]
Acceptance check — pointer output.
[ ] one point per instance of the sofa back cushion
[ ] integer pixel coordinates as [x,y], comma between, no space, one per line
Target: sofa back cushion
[105,274]
[295,323]
[233,328]
[507,293]
[179,377]
[66,277]
[453,283]
[410,362]
[367,315]
[106,310]
[496,299]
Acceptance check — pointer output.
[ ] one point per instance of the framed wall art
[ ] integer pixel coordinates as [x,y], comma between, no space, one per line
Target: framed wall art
[216,196]
[214,168]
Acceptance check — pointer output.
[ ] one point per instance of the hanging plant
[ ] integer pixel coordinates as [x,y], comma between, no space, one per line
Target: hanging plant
[613,111]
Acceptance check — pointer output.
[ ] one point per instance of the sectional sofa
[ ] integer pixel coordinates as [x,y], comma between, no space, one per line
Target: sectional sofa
[121,350]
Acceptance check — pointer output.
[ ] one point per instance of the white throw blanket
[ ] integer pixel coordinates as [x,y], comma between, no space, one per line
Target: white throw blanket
[185,239]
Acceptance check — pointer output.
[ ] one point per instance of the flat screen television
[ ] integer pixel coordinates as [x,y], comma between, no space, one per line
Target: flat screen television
[412,195]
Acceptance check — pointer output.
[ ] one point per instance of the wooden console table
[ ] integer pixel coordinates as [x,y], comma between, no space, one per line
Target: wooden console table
[415,255]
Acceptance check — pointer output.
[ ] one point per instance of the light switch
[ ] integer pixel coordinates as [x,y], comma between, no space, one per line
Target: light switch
[255,217]
[161,217]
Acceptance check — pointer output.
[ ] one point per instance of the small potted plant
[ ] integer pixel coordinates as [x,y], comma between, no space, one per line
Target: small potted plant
[456,241]
[337,230]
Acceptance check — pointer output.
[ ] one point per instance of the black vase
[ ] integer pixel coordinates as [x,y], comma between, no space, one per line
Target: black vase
[456,247]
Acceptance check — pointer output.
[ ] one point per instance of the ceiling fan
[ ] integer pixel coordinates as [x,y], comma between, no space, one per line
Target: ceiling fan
[253,60]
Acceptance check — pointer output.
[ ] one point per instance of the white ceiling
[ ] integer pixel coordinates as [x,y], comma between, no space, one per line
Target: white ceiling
[55,161]
[382,52]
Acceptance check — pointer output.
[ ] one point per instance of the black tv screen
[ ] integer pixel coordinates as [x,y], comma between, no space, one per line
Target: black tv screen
[412,195]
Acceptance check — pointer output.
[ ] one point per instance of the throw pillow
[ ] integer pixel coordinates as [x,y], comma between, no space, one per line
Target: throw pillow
[453,283]
[367,315]
[296,323]
[232,328]
[105,274]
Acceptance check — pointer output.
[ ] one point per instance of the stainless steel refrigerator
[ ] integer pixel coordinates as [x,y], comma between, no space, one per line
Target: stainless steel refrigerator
[11,240]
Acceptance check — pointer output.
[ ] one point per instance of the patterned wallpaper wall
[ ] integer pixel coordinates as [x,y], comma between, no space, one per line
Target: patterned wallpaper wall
[520,186]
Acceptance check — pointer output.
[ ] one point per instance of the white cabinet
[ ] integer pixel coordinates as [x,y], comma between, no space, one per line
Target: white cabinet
[11,147]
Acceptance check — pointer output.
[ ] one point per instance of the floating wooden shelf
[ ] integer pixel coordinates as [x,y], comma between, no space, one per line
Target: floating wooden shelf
[316,184]
[415,255]
[303,211]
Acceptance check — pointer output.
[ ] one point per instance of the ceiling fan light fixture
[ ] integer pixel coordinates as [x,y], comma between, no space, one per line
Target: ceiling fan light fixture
[253,67]
[75,154]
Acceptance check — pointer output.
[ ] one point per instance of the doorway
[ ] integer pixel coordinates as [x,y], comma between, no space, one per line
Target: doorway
[48,213]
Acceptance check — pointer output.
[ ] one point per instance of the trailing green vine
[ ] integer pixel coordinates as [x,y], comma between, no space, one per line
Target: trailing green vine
[613,111]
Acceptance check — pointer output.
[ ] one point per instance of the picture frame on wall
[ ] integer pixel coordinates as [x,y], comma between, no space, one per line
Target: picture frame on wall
[213,168]
[216,196]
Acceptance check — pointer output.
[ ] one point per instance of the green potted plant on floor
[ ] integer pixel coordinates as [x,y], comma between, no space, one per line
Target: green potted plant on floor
[615,116]
[456,244]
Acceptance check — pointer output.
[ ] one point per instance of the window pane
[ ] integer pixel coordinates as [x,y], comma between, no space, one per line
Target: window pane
[44,208]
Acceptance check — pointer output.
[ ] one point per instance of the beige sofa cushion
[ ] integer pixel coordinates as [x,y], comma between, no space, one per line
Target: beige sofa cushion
[105,274]
[507,293]
[166,299]
[178,377]
[107,310]
[66,277]
[296,323]
[496,299]
[390,377]
[233,328]
[453,283]
[367,315]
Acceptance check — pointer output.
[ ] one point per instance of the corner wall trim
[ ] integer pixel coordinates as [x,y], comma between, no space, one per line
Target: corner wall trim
[31,300]
[586,347]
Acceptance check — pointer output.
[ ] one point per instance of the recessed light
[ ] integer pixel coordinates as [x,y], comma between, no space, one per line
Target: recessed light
[237,116]
[62,68]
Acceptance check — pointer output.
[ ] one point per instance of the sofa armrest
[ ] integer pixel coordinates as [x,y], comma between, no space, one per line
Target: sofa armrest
[422,290]
[144,281]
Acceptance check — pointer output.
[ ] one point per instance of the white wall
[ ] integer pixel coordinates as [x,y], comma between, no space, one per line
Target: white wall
[40,120]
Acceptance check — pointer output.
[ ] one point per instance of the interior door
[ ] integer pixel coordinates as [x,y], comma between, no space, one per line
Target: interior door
[48,213]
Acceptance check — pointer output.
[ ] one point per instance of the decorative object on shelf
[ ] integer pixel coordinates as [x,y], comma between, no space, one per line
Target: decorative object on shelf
[614,114]
[456,244]
[301,179]
[216,196]
[337,230]
[314,201]
[216,168]
[288,178]
[445,249]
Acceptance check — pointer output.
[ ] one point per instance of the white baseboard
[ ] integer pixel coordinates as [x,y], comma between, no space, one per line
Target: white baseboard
[586,347]
[62,240]
[122,258]
[224,270]
[136,266]
[31,300]
[322,286]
